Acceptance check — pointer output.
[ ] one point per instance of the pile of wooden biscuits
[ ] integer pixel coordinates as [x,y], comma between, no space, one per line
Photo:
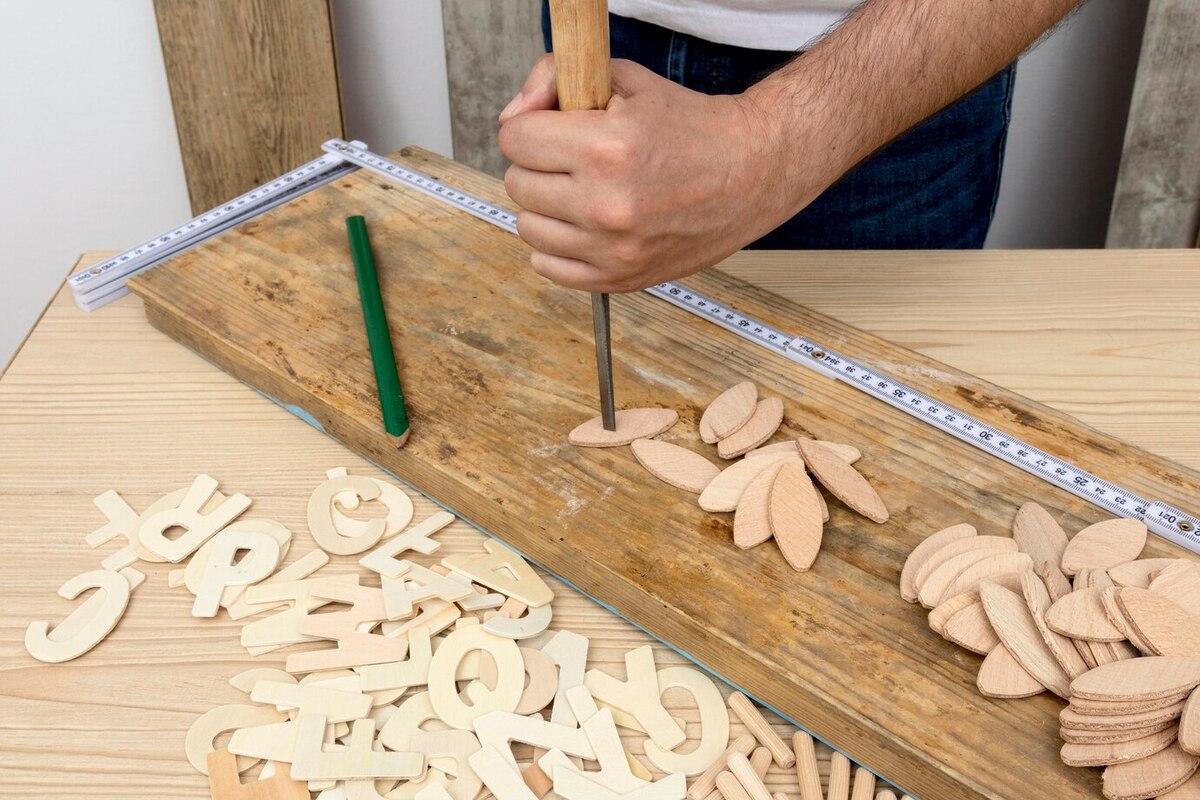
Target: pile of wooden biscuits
[409,678]
[769,489]
[1085,618]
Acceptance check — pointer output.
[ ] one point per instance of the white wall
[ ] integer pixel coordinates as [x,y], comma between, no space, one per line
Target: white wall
[83,82]
[393,94]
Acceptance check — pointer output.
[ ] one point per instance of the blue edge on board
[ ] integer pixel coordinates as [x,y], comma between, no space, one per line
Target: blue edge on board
[311,420]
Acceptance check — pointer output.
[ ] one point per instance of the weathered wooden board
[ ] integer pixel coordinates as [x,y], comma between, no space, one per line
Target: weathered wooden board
[254,86]
[497,365]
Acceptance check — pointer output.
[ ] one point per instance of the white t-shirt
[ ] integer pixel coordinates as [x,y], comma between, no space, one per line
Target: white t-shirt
[759,24]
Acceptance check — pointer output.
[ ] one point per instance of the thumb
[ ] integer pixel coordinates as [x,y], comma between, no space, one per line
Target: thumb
[540,93]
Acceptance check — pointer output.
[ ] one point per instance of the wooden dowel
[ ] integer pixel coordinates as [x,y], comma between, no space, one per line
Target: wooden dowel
[806,767]
[760,759]
[740,766]
[839,777]
[757,724]
[864,784]
[731,788]
[704,784]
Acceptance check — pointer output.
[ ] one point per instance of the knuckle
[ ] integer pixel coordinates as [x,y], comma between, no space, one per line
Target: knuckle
[617,214]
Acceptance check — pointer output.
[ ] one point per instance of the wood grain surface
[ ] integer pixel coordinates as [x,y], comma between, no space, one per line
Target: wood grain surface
[1111,337]
[497,368]
[254,87]
[103,401]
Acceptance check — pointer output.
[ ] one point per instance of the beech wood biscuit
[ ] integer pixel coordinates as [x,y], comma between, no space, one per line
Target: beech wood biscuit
[933,588]
[922,552]
[1138,573]
[989,568]
[1038,601]
[1105,544]
[1189,725]
[732,409]
[1179,582]
[1139,679]
[726,489]
[675,465]
[1013,623]
[969,628]
[1038,534]
[956,548]
[1150,777]
[1158,624]
[1103,754]
[795,516]
[767,417]
[632,423]
[943,612]
[843,481]
[1072,718]
[1001,676]
[847,452]
[752,520]
[1081,615]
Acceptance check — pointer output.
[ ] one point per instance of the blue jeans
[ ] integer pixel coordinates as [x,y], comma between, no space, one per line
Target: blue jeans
[934,187]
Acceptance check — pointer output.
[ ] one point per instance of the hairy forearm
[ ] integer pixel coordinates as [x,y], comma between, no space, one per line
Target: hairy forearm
[890,65]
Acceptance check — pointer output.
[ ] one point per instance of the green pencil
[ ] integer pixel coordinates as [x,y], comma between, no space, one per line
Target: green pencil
[391,398]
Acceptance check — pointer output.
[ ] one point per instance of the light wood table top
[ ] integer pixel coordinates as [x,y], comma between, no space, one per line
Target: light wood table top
[102,401]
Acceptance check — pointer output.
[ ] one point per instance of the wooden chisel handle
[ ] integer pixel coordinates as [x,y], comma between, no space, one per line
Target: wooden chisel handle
[581,55]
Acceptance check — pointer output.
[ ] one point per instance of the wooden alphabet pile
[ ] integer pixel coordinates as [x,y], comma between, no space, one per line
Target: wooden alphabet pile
[407,679]
[769,490]
[1116,636]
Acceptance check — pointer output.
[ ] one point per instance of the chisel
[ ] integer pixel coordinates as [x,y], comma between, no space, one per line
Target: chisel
[580,33]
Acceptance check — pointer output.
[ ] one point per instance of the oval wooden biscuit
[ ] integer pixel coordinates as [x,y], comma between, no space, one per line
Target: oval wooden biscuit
[732,409]
[795,516]
[969,628]
[1081,615]
[676,465]
[1189,725]
[1138,573]
[1152,776]
[843,480]
[1158,624]
[932,588]
[997,564]
[1037,598]
[632,423]
[1013,623]
[1038,534]
[1001,676]
[768,415]
[1105,544]
[726,489]
[1139,679]
[1104,754]
[922,552]
[752,520]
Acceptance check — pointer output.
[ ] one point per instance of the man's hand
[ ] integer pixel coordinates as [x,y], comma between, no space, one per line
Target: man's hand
[667,181]
[661,184]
